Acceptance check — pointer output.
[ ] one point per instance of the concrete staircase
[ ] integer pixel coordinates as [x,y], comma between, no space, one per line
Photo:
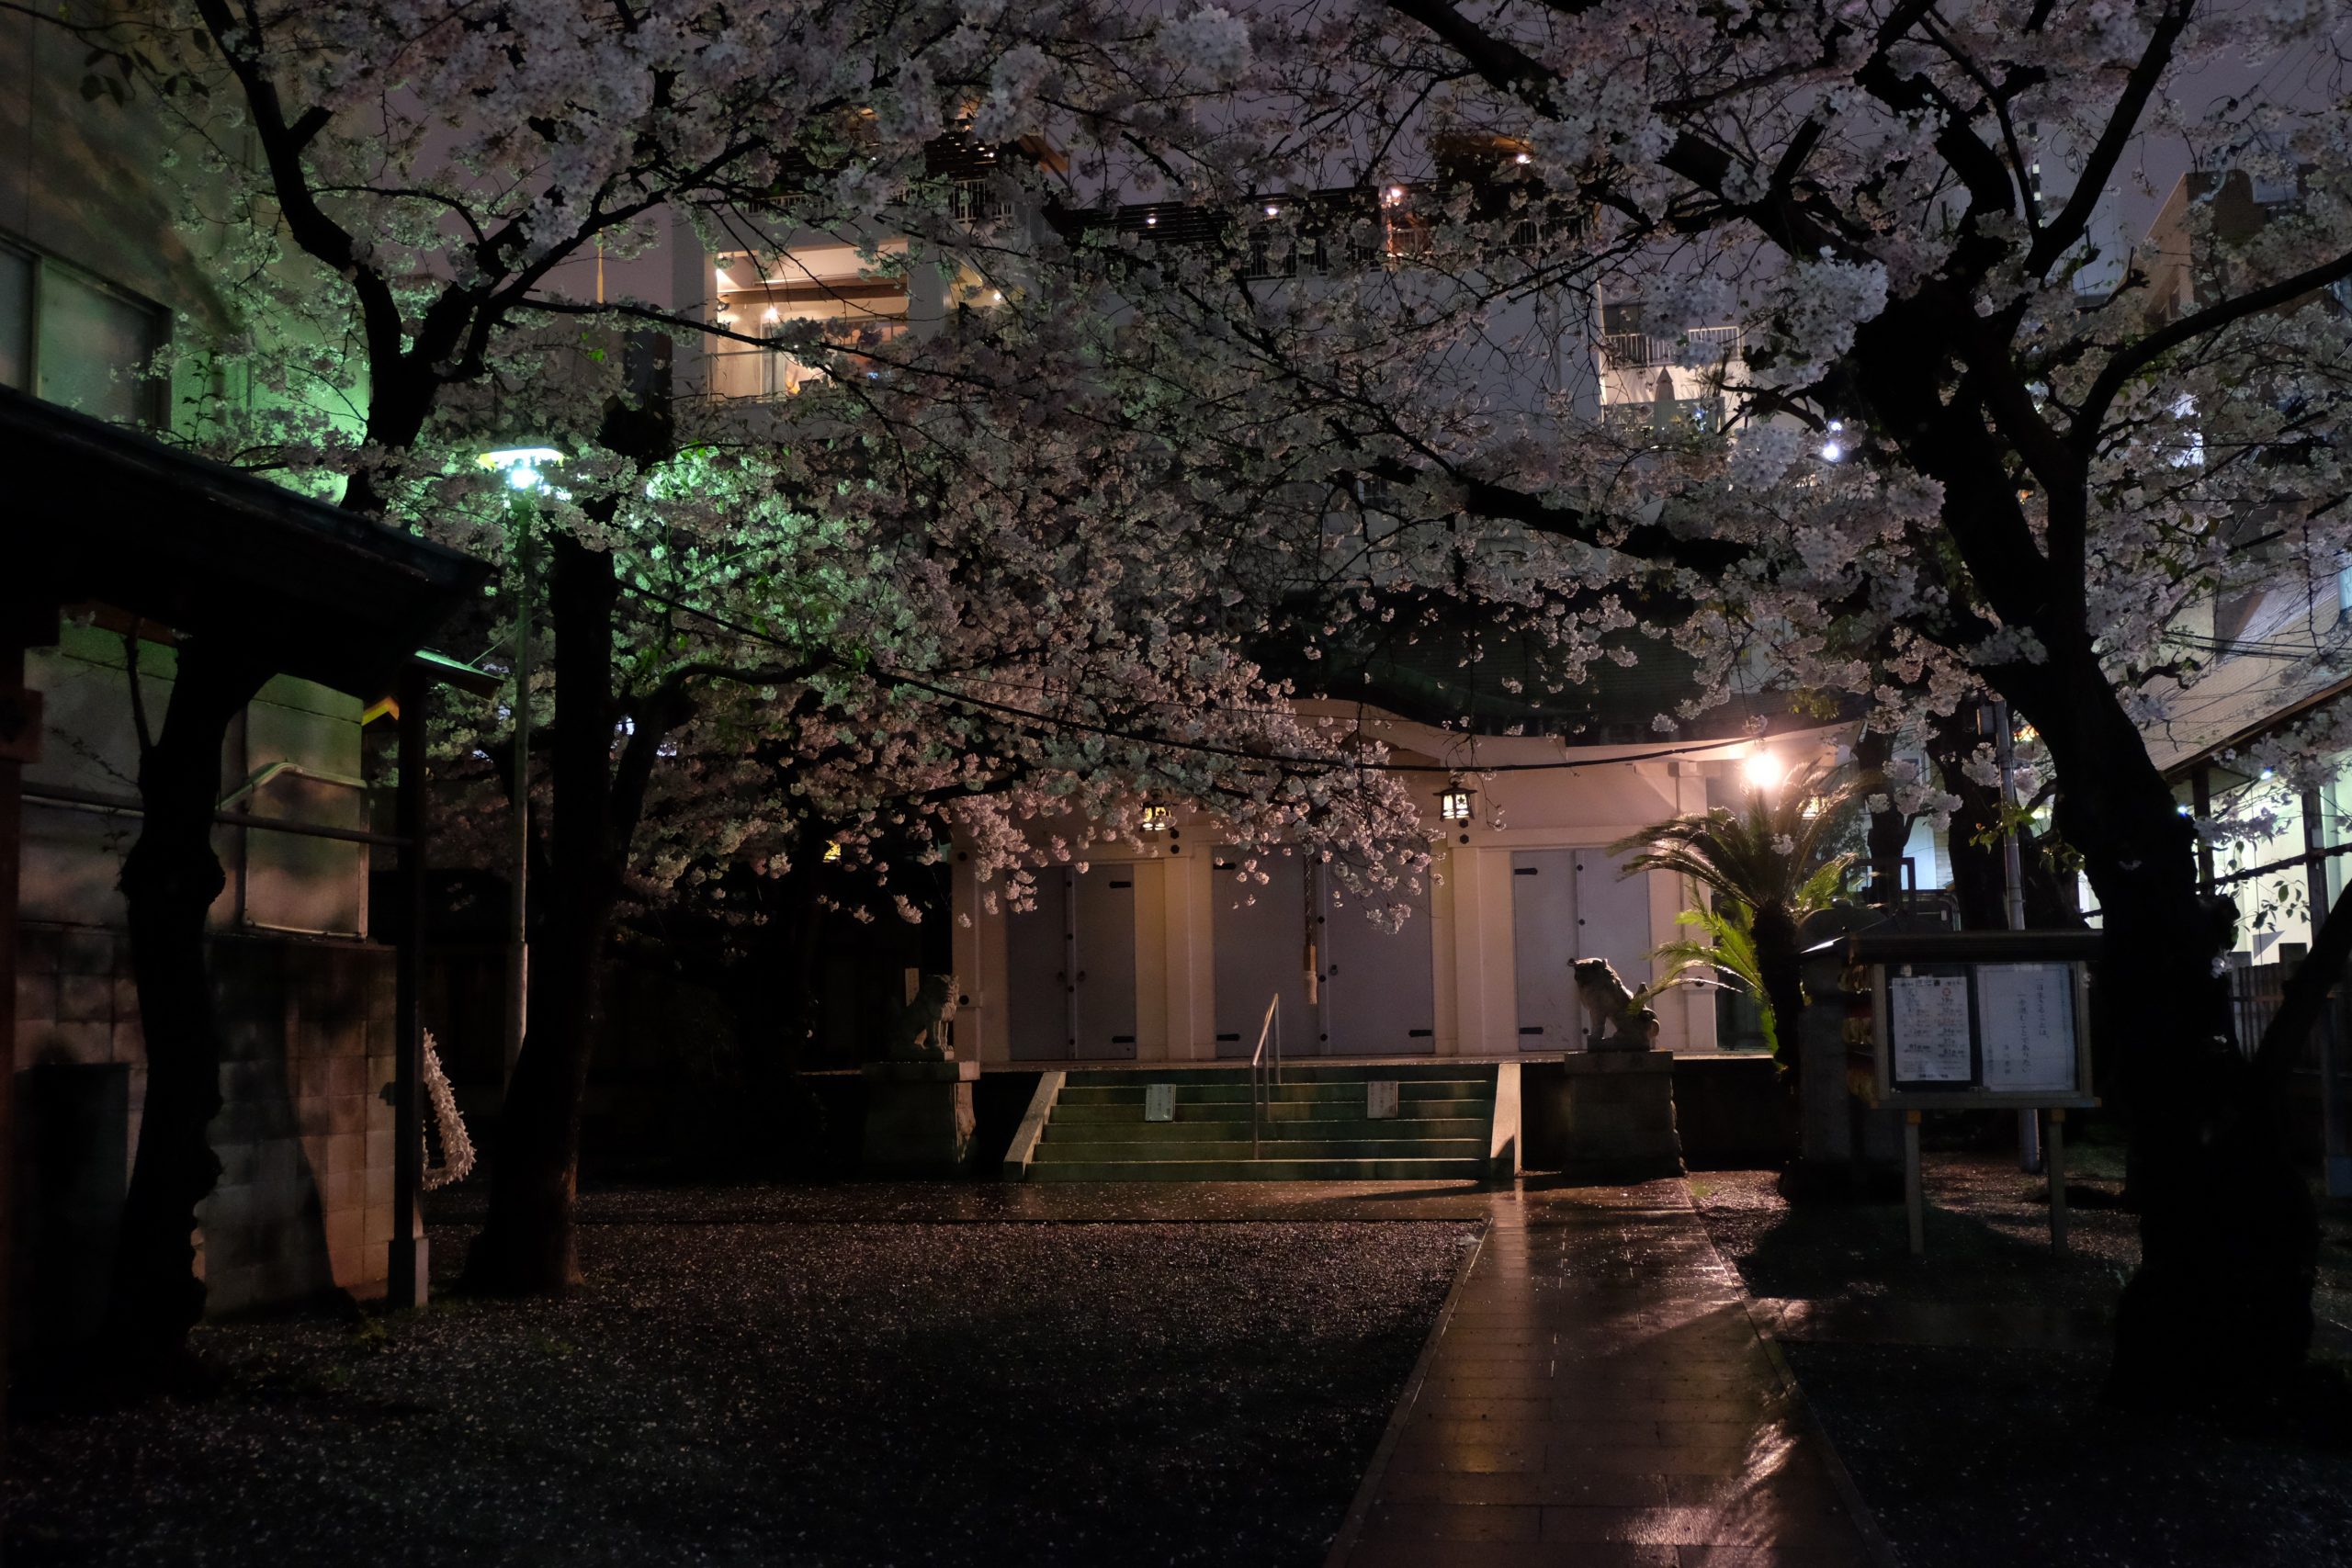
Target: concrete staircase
[1090,1126]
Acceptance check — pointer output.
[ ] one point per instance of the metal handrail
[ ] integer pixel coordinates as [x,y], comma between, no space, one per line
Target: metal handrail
[1274,1026]
[1642,351]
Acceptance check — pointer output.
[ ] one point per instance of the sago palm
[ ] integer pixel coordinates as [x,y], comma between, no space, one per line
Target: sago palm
[1774,861]
[1730,951]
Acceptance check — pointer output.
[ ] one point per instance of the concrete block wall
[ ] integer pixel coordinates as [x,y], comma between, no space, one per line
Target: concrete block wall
[305,1130]
[1602,1110]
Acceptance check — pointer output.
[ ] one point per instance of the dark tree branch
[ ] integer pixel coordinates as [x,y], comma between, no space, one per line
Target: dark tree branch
[2129,362]
[2122,125]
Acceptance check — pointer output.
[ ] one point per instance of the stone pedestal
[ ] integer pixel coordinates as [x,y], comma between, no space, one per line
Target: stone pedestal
[1609,1114]
[918,1118]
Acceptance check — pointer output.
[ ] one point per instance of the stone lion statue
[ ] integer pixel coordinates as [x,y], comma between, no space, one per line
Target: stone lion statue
[1621,1020]
[919,1035]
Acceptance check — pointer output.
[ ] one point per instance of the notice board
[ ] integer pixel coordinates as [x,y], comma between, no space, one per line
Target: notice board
[1964,1020]
[2026,1014]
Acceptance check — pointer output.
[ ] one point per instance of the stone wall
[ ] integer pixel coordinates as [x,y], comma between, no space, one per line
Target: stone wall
[1608,1114]
[305,1132]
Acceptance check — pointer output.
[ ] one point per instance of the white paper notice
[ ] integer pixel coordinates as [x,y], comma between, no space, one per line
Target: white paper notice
[1928,1015]
[2025,1015]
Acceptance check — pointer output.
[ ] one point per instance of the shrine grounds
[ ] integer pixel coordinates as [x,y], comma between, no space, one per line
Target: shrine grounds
[878,1373]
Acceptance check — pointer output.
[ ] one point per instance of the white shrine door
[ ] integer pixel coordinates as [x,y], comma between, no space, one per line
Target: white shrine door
[1379,987]
[1259,930]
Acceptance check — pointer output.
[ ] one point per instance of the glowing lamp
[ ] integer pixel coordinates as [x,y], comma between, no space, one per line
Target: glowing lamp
[1155,818]
[521,464]
[1761,770]
[1454,804]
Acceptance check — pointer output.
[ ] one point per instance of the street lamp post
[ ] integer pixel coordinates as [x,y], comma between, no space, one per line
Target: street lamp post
[525,482]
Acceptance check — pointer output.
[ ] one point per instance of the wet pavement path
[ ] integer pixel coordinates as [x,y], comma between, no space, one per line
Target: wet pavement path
[1597,1395]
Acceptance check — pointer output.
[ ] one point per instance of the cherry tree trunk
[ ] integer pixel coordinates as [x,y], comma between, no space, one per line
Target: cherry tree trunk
[527,1245]
[169,882]
[2220,1303]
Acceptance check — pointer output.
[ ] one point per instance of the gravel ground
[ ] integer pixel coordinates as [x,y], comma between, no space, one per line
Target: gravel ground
[1968,1411]
[838,1393]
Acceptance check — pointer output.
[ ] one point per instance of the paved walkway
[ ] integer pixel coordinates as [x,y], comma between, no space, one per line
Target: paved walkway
[1598,1397]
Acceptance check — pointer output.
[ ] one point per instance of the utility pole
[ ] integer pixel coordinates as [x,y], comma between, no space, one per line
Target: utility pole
[2336,1166]
[2005,751]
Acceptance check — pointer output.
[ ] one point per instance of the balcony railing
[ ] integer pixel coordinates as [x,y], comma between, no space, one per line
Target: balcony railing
[1641,351]
[758,373]
[976,201]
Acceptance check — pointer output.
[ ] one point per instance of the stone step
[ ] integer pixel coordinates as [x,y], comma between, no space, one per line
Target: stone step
[1294,1069]
[1260,1170]
[1236,1091]
[1130,1129]
[1128,1112]
[1146,1151]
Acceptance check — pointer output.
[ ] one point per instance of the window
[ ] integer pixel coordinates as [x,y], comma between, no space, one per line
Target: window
[71,339]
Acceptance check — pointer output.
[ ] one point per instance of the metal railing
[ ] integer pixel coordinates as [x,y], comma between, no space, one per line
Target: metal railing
[977,200]
[1272,1027]
[1641,351]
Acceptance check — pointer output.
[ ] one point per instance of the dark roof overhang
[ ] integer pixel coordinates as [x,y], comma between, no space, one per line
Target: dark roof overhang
[108,514]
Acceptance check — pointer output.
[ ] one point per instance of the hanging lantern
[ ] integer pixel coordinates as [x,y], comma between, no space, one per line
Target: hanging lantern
[1155,818]
[1454,802]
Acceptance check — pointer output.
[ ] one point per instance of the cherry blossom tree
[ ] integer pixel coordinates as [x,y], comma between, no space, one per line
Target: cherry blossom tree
[1942,438]
[894,603]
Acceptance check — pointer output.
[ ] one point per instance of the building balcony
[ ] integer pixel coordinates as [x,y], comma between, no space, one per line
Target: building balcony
[1644,351]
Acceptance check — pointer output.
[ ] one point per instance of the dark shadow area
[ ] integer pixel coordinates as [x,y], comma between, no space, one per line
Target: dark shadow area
[1988,1243]
[1962,1390]
[1968,1457]
[72,1156]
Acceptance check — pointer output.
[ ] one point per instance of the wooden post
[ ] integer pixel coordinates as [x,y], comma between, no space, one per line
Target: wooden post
[1915,1197]
[410,1274]
[2056,1152]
